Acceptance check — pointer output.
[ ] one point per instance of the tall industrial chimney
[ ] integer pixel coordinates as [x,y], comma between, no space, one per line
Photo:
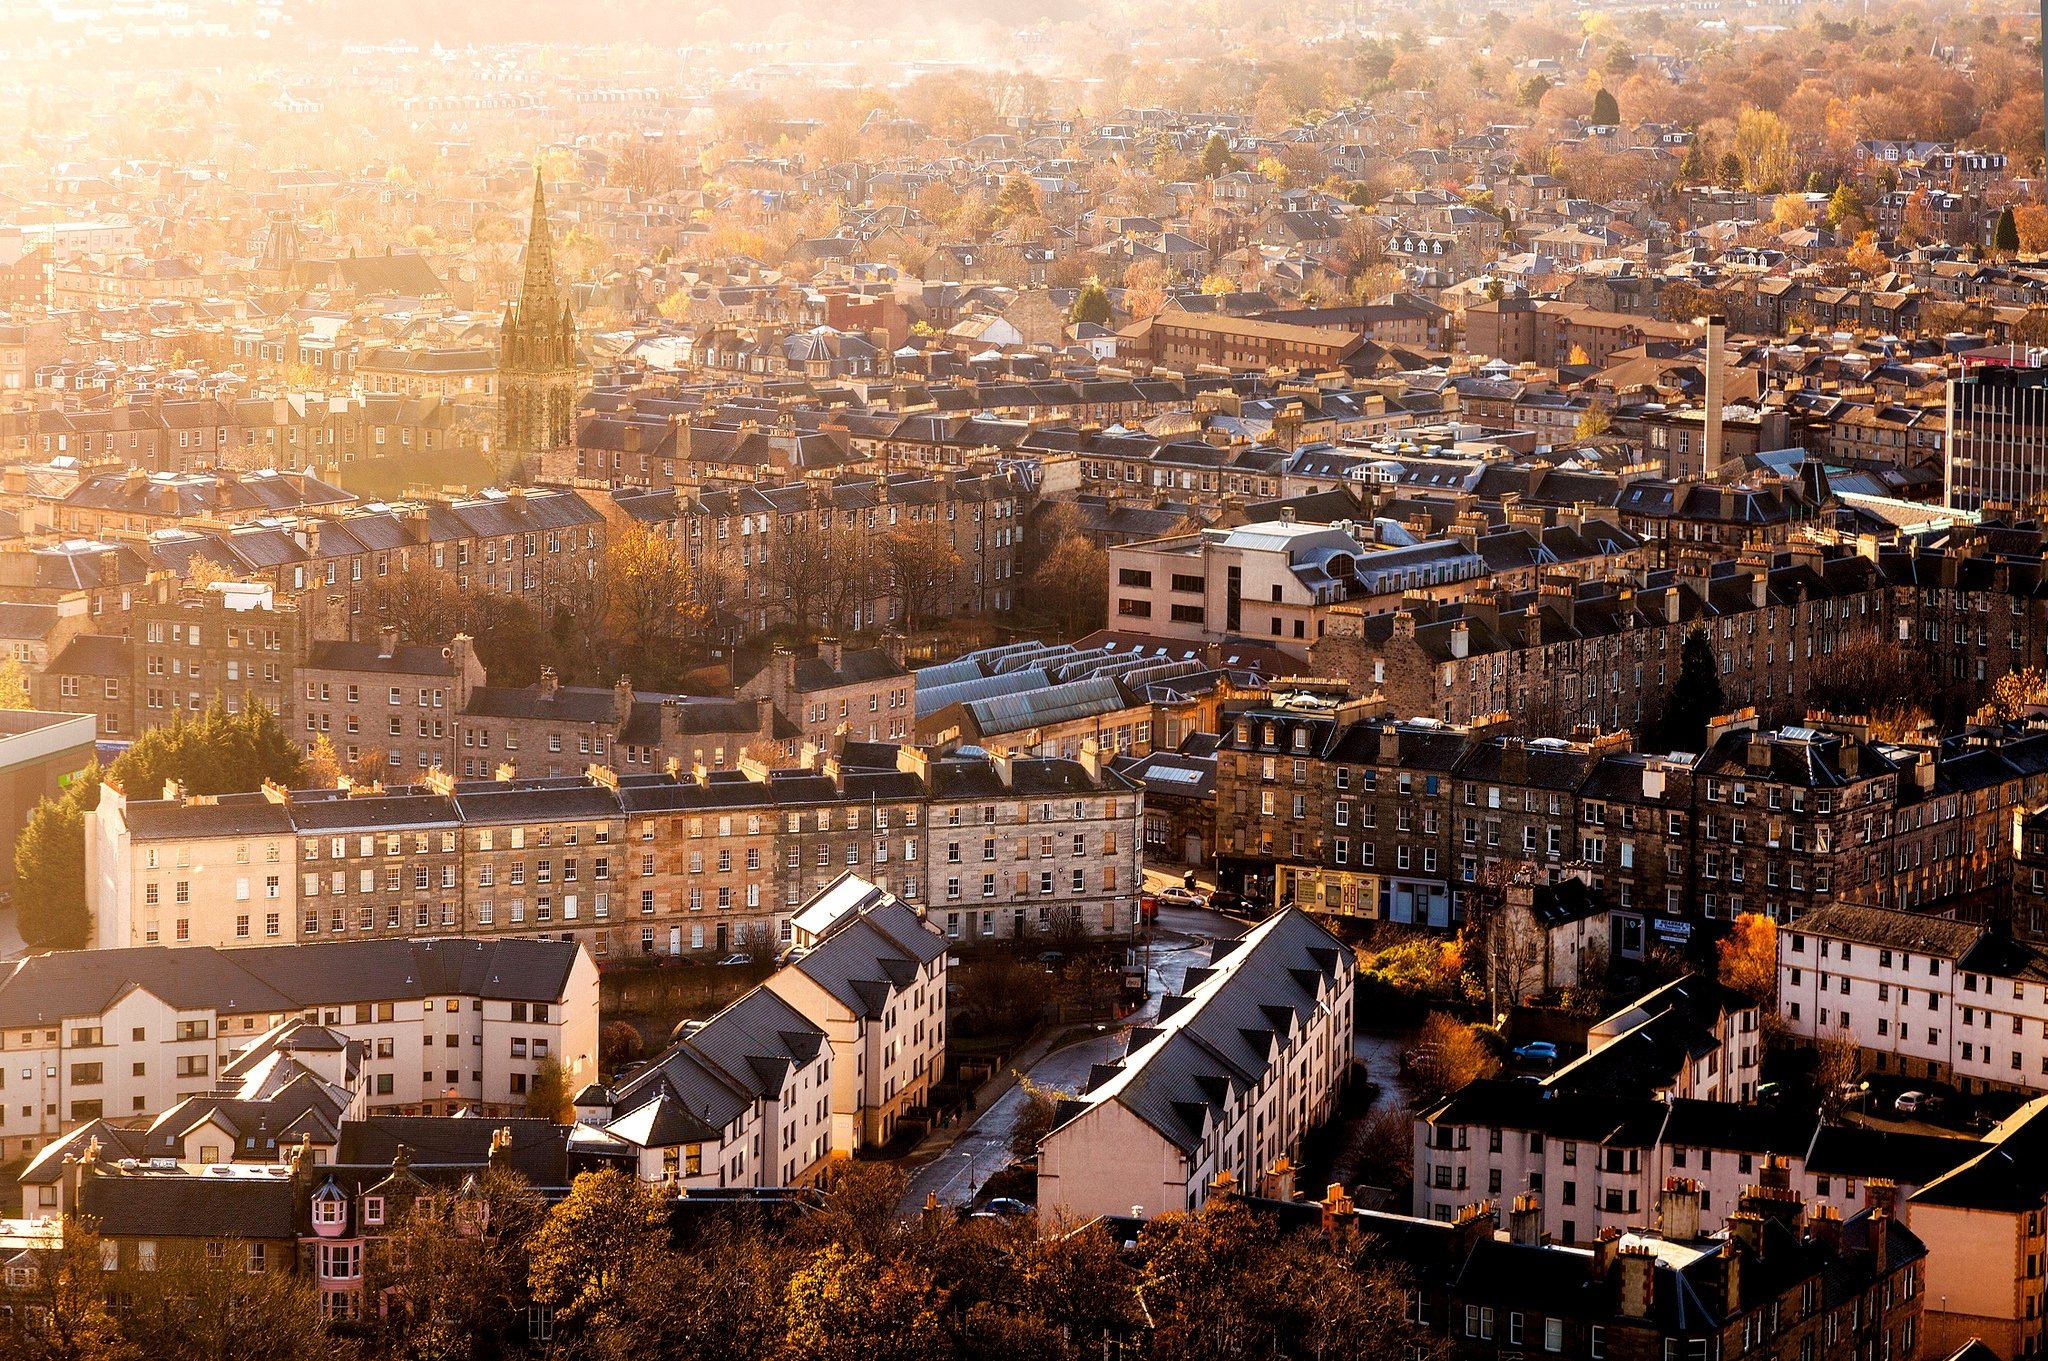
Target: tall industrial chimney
[1710,451]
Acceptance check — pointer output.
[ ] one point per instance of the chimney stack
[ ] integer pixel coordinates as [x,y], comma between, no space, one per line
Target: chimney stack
[1678,1209]
[1525,1221]
[1638,1282]
[387,642]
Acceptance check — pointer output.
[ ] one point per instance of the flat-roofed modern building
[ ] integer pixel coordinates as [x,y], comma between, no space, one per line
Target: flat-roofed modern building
[1276,579]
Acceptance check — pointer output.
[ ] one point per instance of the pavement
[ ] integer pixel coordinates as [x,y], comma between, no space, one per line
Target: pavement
[11,946]
[951,1163]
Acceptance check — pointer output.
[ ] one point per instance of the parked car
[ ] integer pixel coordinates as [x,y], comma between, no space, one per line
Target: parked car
[737,959]
[1912,1103]
[1181,897]
[1006,1205]
[1536,1051]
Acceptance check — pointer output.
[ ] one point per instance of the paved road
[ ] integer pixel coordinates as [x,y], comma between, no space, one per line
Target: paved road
[985,1147]
[1182,940]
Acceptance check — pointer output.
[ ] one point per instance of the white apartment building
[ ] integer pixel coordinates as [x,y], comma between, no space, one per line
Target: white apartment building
[1276,580]
[444,1024]
[1919,996]
[1690,1038]
[1242,1064]
[1594,1163]
[745,1099]
[875,984]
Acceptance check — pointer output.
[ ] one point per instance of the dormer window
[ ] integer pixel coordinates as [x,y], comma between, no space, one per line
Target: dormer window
[373,1210]
[330,1208]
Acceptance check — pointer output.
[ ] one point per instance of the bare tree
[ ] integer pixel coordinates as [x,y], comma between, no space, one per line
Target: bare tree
[1503,938]
[919,559]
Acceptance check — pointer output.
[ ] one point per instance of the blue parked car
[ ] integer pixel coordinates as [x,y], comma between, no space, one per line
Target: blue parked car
[1537,1052]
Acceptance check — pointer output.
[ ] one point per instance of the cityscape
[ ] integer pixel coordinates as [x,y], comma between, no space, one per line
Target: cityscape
[1101,682]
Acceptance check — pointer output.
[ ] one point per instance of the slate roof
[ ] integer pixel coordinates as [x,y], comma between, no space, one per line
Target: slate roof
[869,960]
[1217,1037]
[145,1203]
[41,989]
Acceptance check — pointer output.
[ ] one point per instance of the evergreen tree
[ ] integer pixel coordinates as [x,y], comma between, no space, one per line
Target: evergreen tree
[1091,304]
[1696,696]
[217,753]
[1606,113]
[1693,168]
[1018,197]
[2005,237]
[1846,205]
[49,868]
[1216,157]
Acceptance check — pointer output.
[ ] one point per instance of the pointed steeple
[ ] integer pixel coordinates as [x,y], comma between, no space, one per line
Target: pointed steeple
[537,349]
[537,292]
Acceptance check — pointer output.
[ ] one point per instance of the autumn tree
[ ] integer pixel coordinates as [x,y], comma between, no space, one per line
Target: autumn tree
[199,1304]
[1749,957]
[2030,220]
[1864,256]
[1790,212]
[1838,1064]
[609,1229]
[1449,1054]
[648,167]
[1846,209]
[918,560]
[1041,1103]
[326,767]
[420,601]
[59,1312]
[650,607]
[547,1093]
[1763,145]
[1145,289]
[14,686]
[1017,198]
[454,1277]
[845,1304]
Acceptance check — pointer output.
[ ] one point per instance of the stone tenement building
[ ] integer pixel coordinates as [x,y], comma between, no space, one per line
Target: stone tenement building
[813,553]
[1603,654]
[986,847]
[1344,807]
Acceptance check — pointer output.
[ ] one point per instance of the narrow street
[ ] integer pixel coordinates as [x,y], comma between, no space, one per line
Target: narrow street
[1181,940]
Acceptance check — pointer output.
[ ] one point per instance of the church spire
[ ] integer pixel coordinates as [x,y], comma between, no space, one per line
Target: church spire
[537,350]
[537,292]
